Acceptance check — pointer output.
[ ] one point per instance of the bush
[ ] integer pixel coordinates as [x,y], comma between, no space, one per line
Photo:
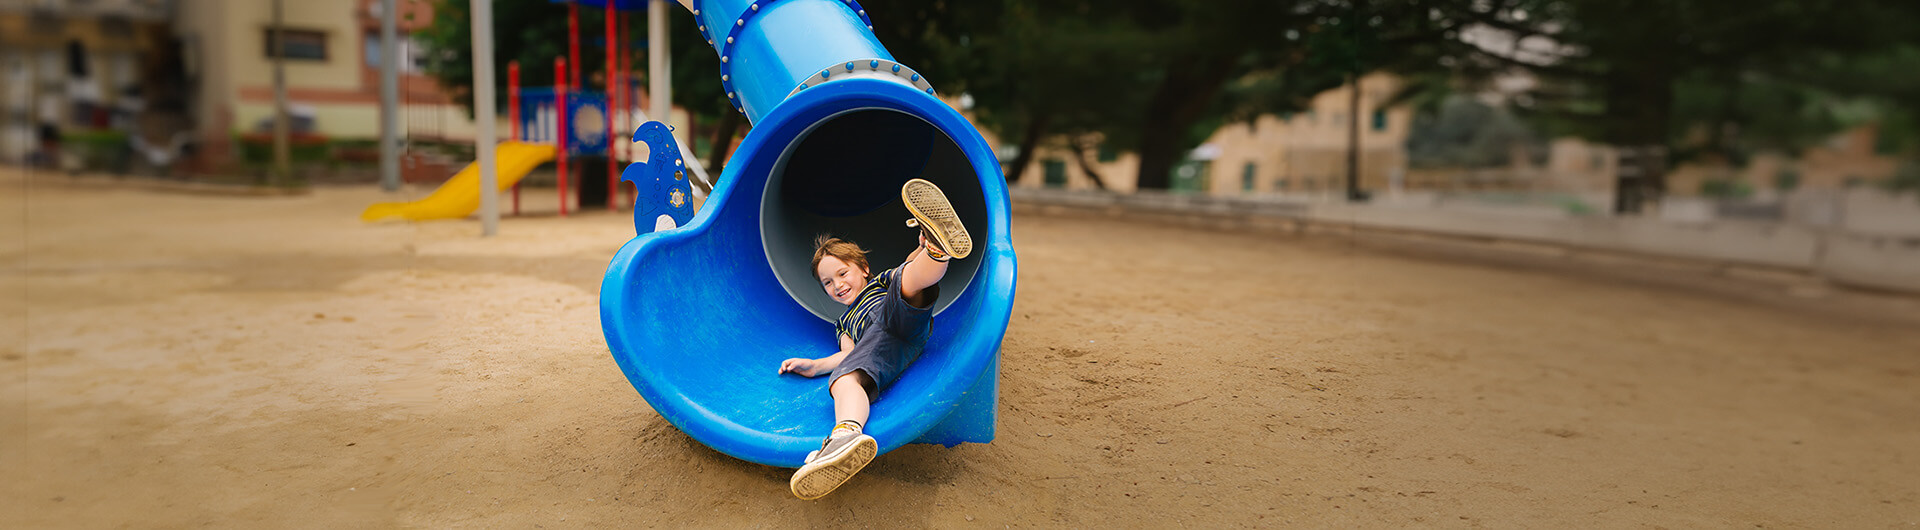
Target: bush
[99,150]
[1726,188]
[257,148]
[1786,180]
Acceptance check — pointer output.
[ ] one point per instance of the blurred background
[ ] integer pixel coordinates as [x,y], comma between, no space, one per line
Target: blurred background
[1590,107]
[1780,111]
[1512,263]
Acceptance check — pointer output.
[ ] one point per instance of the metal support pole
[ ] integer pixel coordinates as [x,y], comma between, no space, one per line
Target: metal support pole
[617,97]
[560,128]
[610,75]
[573,43]
[389,98]
[483,111]
[513,118]
[626,92]
[657,66]
[282,130]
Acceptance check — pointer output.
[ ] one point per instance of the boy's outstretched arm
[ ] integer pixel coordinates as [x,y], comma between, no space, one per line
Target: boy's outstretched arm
[817,367]
[919,273]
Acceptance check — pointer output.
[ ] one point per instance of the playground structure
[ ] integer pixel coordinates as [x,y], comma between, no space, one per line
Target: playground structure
[540,132]
[699,317]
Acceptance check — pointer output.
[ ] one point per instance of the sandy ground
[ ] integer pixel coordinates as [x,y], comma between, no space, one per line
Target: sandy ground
[176,360]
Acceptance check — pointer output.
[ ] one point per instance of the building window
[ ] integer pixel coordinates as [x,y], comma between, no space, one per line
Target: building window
[1280,184]
[1380,120]
[1056,173]
[1108,153]
[1246,177]
[302,44]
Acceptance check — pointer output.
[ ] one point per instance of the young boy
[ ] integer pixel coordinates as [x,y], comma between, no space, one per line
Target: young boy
[884,329]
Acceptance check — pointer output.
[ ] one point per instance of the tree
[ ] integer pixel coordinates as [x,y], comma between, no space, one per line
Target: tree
[1645,73]
[1464,132]
[1034,69]
[1159,75]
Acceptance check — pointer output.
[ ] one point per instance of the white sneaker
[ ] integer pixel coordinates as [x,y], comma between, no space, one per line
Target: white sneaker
[836,461]
[934,215]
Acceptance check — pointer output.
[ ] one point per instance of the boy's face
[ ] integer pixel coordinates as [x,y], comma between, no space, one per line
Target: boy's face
[842,280]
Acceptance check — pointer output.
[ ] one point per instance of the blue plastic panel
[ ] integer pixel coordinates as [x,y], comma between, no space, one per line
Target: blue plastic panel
[662,183]
[587,123]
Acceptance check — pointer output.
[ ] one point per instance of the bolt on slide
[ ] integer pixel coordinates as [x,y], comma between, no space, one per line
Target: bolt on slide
[698,314]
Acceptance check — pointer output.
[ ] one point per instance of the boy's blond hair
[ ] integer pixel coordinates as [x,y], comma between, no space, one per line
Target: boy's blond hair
[846,251]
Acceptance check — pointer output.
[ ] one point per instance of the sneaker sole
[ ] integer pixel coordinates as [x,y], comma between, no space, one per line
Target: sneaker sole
[817,479]
[932,211]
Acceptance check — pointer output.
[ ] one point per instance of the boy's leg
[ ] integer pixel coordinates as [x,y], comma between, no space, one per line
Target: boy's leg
[847,450]
[850,400]
[942,237]
[919,273]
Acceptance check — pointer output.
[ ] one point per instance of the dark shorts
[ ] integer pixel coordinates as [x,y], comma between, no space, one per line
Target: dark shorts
[893,340]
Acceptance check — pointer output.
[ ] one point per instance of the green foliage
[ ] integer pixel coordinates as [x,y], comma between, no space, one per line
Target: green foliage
[302,149]
[1575,206]
[1725,188]
[1773,74]
[1787,179]
[99,150]
[1465,132]
[1706,78]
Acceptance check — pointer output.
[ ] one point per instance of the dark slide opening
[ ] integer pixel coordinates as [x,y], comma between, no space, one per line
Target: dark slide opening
[843,177]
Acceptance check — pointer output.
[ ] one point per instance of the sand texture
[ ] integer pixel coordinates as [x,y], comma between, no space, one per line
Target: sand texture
[173,360]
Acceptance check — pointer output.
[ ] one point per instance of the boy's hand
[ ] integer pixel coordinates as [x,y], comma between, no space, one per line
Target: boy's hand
[805,367]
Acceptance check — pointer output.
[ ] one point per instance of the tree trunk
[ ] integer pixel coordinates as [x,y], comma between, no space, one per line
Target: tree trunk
[1036,127]
[1086,166]
[1183,96]
[1353,137]
[1642,101]
[722,144]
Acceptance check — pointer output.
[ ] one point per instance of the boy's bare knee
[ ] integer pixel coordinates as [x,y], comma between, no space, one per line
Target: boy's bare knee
[845,382]
[854,383]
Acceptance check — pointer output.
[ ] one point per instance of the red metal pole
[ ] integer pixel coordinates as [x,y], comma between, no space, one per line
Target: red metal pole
[626,88]
[513,118]
[619,95]
[560,126]
[613,171]
[573,41]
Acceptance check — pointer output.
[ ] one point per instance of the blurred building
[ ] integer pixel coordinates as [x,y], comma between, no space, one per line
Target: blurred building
[332,71]
[79,65]
[1847,159]
[1297,153]
[1306,152]
[189,78]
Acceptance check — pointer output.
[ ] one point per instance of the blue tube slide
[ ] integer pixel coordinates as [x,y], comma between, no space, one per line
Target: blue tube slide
[700,316]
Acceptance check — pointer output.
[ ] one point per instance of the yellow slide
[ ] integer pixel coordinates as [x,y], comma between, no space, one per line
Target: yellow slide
[460,196]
